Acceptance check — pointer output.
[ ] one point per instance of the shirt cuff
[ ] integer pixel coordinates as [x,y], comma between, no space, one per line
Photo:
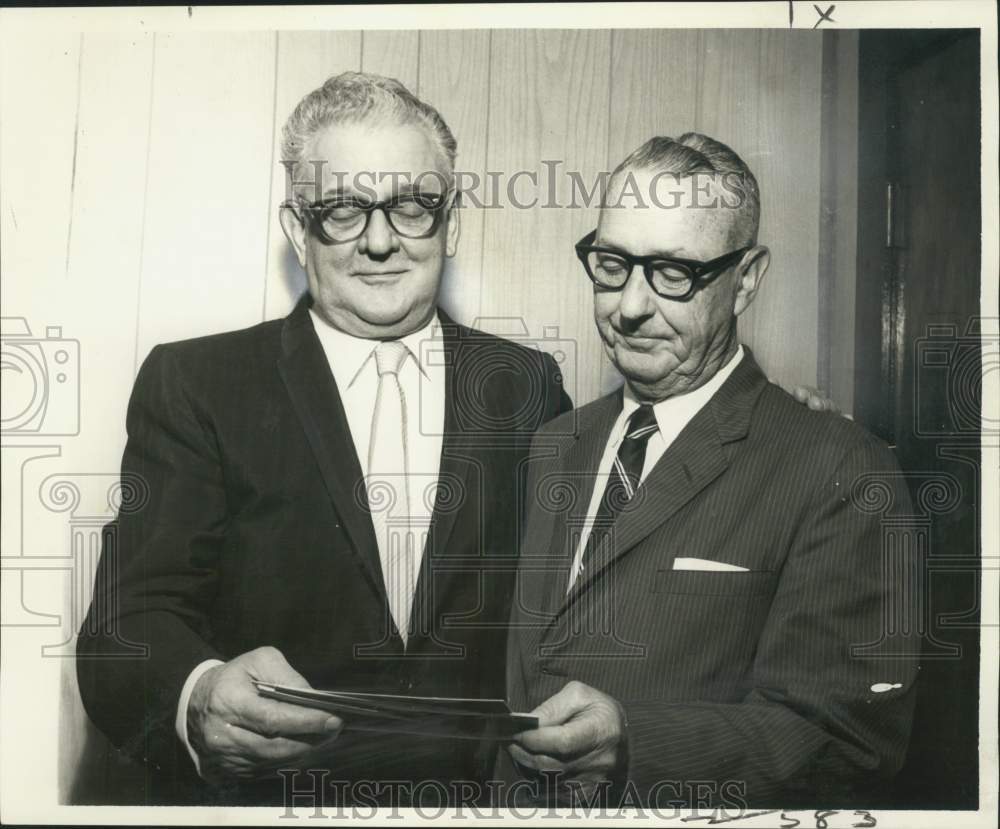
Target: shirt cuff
[180,723]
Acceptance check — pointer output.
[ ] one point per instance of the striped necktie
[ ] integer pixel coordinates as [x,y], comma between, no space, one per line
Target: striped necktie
[623,481]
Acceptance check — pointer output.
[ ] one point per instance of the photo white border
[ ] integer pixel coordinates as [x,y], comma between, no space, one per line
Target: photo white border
[28,786]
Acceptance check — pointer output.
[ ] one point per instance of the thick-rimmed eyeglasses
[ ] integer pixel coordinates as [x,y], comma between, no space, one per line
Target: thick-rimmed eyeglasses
[676,279]
[344,219]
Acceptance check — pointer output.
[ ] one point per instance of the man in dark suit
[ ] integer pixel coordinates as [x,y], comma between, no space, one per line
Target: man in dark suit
[331,499]
[701,588]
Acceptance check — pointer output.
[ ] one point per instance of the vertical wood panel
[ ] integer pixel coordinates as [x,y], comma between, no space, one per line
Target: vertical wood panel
[840,216]
[394,54]
[304,61]
[39,81]
[782,323]
[727,102]
[105,255]
[102,283]
[205,236]
[653,82]
[454,78]
[548,101]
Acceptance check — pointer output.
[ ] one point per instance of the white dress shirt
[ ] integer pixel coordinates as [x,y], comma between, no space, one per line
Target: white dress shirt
[352,361]
[672,415]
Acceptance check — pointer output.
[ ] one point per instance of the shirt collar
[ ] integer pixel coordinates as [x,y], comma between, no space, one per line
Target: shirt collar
[348,354]
[676,412]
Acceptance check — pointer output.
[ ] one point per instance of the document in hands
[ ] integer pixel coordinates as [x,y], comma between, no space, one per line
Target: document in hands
[473,719]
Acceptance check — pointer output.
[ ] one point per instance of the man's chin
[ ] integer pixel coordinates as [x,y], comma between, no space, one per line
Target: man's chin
[397,321]
[640,366]
[385,322]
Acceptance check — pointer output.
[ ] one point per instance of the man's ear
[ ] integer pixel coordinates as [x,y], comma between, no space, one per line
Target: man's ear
[454,231]
[295,233]
[752,270]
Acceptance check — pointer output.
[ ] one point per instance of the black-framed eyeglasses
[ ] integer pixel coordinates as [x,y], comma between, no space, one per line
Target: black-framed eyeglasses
[676,279]
[345,218]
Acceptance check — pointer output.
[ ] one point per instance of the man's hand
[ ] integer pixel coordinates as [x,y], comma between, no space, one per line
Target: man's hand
[815,399]
[581,733]
[238,734]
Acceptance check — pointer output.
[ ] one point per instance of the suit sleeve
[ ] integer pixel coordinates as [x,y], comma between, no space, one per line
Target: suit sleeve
[821,717]
[158,570]
[556,402]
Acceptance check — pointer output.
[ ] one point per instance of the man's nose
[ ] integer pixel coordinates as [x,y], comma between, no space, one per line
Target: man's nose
[379,239]
[636,301]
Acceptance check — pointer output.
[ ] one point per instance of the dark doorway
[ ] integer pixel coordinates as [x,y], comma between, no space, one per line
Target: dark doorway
[918,370]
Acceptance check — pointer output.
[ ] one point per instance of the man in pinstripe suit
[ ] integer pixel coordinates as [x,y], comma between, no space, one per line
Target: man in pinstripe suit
[697,586]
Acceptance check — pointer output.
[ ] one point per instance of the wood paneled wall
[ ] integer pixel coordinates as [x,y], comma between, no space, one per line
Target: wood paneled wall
[140,180]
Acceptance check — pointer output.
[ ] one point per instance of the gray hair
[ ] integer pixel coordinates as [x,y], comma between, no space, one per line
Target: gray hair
[696,153]
[355,97]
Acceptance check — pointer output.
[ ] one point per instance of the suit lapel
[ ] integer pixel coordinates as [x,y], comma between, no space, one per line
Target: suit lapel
[695,459]
[453,474]
[306,373]
[578,470]
[455,462]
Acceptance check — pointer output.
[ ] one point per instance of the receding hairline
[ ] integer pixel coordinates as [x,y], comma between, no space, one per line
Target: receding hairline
[692,154]
[743,221]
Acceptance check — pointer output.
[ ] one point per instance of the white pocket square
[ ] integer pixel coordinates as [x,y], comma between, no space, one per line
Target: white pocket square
[707,564]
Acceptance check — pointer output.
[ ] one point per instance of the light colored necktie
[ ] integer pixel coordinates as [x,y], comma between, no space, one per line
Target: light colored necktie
[388,492]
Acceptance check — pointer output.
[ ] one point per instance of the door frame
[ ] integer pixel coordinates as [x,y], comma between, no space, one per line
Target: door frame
[880,313]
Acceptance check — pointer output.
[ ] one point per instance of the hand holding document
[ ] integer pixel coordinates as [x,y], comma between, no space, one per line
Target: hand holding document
[472,719]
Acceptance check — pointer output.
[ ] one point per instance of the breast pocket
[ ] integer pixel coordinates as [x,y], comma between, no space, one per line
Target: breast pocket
[715,583]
